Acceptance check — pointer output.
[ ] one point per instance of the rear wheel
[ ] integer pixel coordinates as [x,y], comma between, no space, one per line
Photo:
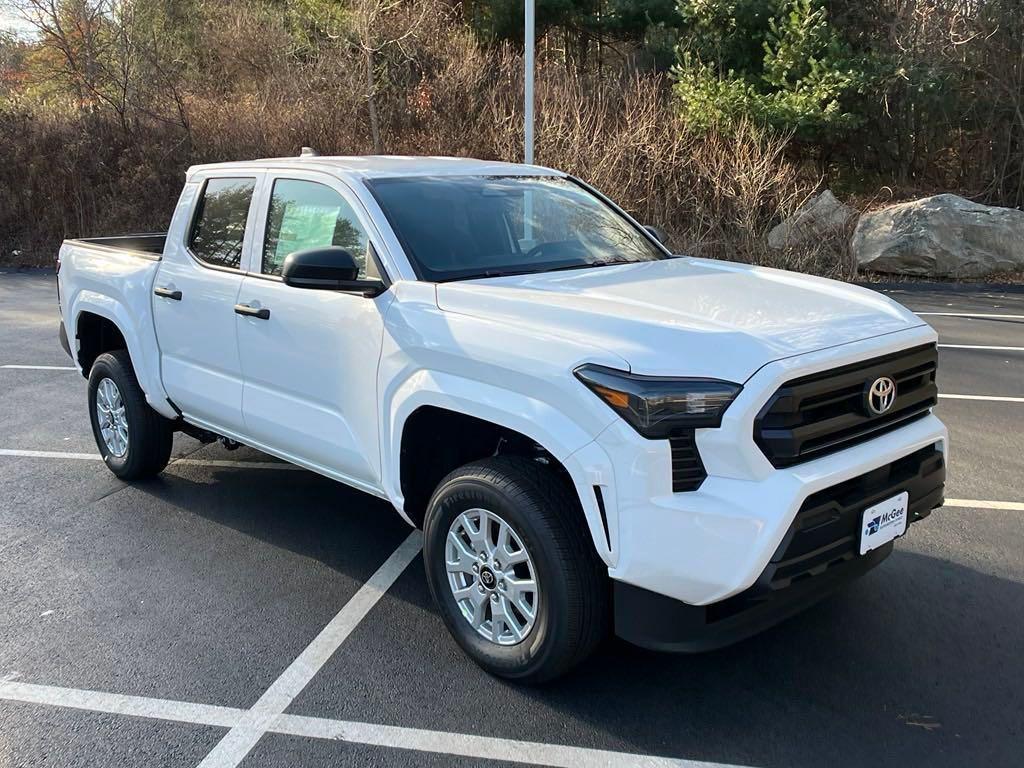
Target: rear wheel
[511,567]
[134,440]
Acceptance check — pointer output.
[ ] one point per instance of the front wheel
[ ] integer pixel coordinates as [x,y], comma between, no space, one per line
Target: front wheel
[134,440]
[513,572]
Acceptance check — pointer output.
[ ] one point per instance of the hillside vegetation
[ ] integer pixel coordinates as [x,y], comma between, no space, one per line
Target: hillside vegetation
[712,119]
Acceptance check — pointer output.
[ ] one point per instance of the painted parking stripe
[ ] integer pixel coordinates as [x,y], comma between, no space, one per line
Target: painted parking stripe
[1013,506]
[50,455]
[479,747]
[40,367]
[119,704]
[989,398]
[240,740]
[436,742]
[982,347]
[969,314]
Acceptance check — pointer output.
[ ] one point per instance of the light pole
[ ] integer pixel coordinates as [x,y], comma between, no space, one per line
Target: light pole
[528,87]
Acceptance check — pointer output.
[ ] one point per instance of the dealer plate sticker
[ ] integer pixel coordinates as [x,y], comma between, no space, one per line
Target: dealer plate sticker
[883,522]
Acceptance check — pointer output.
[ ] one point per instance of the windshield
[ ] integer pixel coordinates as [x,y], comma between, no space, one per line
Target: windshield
[460,227]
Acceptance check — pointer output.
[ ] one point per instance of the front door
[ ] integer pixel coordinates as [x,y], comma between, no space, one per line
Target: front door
[195,292]
[310,361]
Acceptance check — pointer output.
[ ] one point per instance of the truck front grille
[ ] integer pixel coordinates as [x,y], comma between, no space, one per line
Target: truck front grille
[825,412]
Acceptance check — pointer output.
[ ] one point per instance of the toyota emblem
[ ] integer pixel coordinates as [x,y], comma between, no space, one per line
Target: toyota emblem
[881,395]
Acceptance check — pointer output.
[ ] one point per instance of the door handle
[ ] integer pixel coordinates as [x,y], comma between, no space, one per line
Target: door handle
[167,293]
[244,309]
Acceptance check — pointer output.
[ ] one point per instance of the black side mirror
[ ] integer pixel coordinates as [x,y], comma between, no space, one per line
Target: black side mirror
[331,268]
[656,233]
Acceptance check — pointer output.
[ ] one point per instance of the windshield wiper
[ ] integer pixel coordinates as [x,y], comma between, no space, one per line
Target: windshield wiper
[609,263]
[530,271]
[487,273]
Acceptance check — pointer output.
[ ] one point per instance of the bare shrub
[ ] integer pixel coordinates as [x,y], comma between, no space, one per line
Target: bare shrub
[78,169]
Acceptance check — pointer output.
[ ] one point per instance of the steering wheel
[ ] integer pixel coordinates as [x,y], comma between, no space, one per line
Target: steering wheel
[536,251]
[556,247]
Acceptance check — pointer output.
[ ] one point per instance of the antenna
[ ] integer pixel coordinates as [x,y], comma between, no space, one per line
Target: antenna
[309,152]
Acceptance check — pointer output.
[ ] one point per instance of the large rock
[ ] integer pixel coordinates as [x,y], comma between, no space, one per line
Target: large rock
[820,217]
[941,236]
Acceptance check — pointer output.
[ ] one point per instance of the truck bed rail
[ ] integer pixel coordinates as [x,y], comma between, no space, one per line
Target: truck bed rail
[148,245]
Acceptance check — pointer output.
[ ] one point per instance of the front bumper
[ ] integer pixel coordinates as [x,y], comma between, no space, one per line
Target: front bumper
[818,554]
[705,546]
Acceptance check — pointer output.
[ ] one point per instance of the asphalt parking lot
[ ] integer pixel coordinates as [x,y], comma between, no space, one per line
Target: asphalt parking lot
[237,611]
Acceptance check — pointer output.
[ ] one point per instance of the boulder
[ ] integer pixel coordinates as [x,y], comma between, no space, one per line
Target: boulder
[821,216]
[940,236]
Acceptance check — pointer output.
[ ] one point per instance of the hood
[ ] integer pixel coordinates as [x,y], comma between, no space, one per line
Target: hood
[685,316]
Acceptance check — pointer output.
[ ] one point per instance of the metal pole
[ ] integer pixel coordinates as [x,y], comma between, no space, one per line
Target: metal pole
[528,88]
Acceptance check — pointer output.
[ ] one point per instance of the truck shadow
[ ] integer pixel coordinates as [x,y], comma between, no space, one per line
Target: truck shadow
[919,662]
[349,531]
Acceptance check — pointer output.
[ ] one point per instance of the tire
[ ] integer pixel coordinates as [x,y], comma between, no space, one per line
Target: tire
[149,435]
[571,603]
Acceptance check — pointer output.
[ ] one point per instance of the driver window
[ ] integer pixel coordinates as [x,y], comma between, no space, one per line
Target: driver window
[305,214]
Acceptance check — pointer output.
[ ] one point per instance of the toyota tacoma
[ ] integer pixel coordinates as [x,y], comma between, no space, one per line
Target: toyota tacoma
[592,432]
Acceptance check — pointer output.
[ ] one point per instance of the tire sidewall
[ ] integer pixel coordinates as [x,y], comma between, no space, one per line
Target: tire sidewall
[550,628]
[108,367]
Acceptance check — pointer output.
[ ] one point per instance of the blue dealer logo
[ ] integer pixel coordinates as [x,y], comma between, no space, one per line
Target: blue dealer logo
[873,526]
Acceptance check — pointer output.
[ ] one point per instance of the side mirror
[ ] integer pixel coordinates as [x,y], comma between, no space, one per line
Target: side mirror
[656,233]
[331,268]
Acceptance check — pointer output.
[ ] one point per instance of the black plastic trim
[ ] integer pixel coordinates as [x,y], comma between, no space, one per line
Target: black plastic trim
[260,314]
[604,514]
[64,343]
[688,472]
[660,623]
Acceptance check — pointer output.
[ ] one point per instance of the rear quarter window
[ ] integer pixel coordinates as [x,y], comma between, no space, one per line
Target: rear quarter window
[218,227]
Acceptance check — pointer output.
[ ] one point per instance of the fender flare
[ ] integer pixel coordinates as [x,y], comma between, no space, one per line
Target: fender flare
[535,419]
[141,348]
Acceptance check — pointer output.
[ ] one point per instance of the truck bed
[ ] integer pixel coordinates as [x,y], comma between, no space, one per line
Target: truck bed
[151,243]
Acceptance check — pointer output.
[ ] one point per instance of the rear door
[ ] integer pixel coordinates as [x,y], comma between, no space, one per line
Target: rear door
[310,362]
[195,293]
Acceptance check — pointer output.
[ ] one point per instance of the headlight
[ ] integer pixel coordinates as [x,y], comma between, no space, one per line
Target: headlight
[659,407]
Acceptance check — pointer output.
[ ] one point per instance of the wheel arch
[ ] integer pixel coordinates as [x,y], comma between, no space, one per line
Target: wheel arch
[102,324]
[432,408]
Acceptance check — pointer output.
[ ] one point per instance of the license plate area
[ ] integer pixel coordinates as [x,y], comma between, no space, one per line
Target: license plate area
[883,522]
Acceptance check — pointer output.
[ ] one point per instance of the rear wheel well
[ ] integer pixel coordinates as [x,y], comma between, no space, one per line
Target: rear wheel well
[96,335]
[436,441]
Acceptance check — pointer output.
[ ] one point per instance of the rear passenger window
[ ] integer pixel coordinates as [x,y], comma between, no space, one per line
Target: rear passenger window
[219,225]
[305,214]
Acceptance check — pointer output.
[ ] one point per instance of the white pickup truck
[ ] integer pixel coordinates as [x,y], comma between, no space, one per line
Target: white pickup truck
[590,431]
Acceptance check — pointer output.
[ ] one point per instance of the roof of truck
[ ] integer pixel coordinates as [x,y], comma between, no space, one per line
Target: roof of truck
[376,166]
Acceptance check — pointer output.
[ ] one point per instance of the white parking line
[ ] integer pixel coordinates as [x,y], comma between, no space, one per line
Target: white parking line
[40,367]
[980,346]
[394,737]
[119,704]
[50,455]
[237,743]
[479,747]
[990,398]
[1014,506]
[969,314]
